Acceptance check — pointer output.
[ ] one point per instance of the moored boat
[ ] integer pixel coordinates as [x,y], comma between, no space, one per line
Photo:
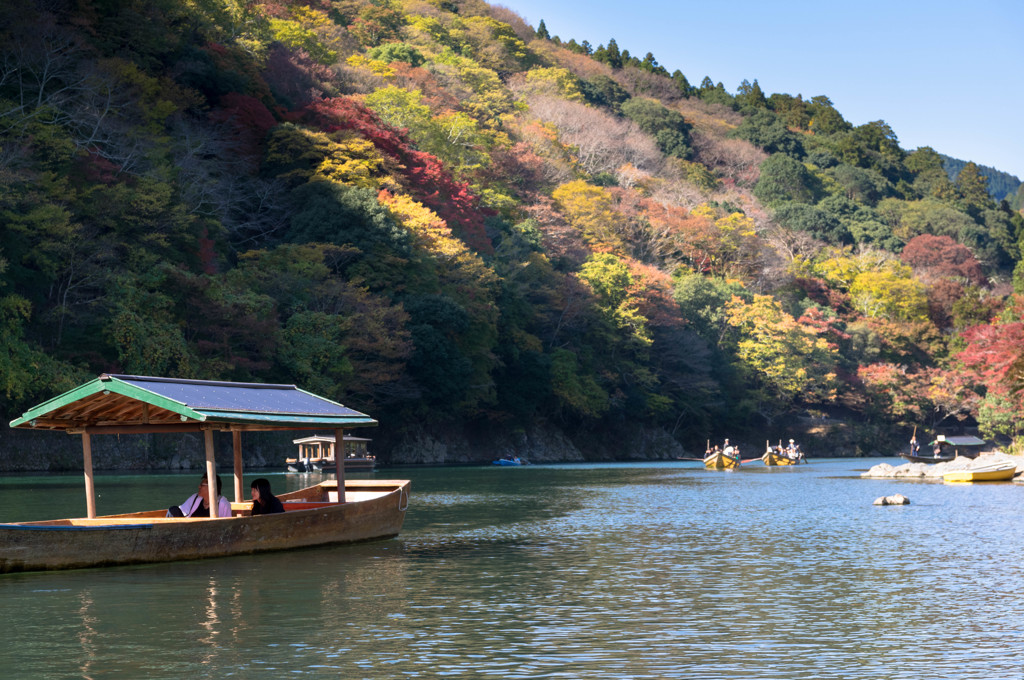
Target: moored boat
[999,472]
[508,460]
[334,511]
[313,516]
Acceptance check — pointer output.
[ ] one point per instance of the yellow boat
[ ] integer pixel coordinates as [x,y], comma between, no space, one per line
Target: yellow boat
[719,460]
[772,458]
[998,473]
[334,511]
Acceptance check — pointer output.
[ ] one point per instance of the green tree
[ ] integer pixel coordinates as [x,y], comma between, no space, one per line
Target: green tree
[748,94]
[668,127]
[600,90]
[785,179]
[397,51]
[788,361]
[764,129]
[972,189]
[610,280]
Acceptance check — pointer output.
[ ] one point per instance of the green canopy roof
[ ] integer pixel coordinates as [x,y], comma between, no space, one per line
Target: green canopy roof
[132,403]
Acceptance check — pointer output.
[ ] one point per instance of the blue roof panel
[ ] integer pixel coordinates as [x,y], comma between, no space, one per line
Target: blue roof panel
[202,395]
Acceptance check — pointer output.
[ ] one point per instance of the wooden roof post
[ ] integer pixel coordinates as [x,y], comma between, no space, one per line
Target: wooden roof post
[90,488]
[339,461]
[236,444]
[211,473]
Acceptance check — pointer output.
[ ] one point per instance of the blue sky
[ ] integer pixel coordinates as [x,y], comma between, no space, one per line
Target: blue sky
[941,74]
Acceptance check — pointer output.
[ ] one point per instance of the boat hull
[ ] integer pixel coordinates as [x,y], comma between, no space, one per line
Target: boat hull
[720,461]
[990,475]
[915,458]
[328,465]
[376,509]
[773,459]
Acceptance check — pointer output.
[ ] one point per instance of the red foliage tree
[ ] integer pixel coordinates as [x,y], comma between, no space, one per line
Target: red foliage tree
[992,354]
[940,257]
[249,119]
[819,292]
[942,295]
[424,176]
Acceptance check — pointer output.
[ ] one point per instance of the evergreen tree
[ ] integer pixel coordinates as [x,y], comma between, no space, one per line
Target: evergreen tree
[972,189]
[613,57]
[542,31]
[751,95]
[685,88]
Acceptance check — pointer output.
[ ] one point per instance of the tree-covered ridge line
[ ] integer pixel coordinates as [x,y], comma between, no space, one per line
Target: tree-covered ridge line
[433,212]
[1001,185]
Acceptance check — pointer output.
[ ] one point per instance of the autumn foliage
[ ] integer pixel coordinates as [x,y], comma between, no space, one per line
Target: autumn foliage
[436,212]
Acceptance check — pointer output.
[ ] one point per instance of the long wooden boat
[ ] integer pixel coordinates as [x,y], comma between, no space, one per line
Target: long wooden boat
[372,510]
[993,473]
[773,458]
[334,511]
[719,460]
[949,448]
[931,458]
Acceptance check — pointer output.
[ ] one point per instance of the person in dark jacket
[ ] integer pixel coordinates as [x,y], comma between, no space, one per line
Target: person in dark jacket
[263,501]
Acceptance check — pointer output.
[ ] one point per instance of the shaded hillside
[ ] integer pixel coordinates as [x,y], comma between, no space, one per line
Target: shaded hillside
[432,212]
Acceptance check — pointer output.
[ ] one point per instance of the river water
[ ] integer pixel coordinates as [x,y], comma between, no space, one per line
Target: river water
[661,570]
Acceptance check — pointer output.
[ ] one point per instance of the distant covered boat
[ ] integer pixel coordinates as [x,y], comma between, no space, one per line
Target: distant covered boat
[317,453]
[330,512]
[508,460]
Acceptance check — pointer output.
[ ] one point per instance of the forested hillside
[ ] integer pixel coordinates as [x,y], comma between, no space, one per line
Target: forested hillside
[442,216]
[1001,185]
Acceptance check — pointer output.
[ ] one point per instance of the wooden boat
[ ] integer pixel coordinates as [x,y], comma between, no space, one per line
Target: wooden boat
[999,472]
[316,453]
[312,517]
[334,511]
[949,448]
[773,458]
[719,460]
[917,458]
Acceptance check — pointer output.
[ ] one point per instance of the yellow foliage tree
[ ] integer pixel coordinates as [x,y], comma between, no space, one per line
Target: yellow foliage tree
[589,209]
[560,81]
[892,294]
[790,360]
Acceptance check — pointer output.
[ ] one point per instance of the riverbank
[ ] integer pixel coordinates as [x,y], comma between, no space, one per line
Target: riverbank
[934,471]
[430,445]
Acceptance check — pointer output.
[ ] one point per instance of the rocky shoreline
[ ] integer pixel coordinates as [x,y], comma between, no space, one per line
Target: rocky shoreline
[934,471]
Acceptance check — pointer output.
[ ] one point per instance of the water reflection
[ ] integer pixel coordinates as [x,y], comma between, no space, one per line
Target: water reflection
[662,571]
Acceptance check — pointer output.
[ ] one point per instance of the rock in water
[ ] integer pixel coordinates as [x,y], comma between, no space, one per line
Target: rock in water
[895,499]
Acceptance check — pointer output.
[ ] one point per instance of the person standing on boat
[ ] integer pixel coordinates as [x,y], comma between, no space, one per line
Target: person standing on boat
[263,501]
[915,447]
[793,450]
[198,504]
